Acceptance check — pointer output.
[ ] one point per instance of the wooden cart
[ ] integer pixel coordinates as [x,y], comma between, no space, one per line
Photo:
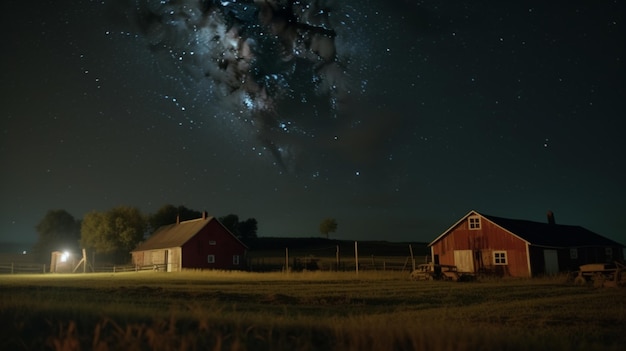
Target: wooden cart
[602,274]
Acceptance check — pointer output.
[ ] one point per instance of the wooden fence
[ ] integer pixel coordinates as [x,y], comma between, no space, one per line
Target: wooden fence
[27,268]
[22,268]
[299,262]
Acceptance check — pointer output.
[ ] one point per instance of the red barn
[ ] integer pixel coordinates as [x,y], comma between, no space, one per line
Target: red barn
[479,243]
[202,243]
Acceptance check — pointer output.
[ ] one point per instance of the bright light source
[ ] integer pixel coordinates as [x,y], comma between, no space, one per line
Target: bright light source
[65,256]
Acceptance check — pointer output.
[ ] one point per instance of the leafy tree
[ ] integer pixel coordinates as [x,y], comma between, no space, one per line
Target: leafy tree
[327,226]
[168,214]
[248,228]
[243,230]
[115,232]
[58,230]
[231,222]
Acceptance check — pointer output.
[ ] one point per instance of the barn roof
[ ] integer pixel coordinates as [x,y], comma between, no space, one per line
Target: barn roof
[175,235]
[543,234]
[552,235]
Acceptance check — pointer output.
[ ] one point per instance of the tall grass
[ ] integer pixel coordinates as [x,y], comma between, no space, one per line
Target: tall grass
[304,311]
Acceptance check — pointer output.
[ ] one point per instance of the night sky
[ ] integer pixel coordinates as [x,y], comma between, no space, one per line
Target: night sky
[394,117]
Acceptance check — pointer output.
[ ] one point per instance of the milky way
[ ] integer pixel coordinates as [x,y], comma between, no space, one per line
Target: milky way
[394,117]
[284,68]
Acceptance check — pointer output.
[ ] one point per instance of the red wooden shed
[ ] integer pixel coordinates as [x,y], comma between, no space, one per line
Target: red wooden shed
[479,243]
[202,243]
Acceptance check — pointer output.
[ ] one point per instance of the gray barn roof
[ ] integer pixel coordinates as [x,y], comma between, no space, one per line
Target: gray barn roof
[552,235]
[173,235]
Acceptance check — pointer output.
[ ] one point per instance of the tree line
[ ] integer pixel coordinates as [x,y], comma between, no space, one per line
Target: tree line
[116,232]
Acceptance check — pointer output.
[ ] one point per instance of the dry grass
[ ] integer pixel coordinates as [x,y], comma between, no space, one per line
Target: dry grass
[304,311]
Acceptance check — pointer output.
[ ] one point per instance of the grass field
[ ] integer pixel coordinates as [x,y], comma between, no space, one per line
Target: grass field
[304,311]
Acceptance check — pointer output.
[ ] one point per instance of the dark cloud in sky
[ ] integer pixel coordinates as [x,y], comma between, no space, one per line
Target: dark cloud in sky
[395,117]
[284,69]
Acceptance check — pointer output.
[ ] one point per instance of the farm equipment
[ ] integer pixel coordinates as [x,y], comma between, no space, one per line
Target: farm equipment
[602,274]
[430,271]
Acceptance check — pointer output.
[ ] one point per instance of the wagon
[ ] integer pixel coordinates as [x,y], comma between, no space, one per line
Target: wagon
[430,271]
[601,274]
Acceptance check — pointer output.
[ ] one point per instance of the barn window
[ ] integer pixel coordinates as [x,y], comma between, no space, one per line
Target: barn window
[210,258]
[474,223]
[499,258]
[573,254]
[212,242]
[609,252]
[235,259]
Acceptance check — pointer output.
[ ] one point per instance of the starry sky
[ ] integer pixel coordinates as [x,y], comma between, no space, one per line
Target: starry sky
[394,117]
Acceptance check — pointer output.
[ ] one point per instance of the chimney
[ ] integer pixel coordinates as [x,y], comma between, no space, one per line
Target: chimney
[205,215]
[551,217]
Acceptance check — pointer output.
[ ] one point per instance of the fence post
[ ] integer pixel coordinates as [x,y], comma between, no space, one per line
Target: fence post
[12,271]
[337,258]
[356,257]
[44,268]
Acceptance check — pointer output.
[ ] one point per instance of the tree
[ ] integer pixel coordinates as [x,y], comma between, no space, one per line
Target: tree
[168,214]
[116,231]
[243,230]
[248,228]
[327,226]
[58,230]
[231,222]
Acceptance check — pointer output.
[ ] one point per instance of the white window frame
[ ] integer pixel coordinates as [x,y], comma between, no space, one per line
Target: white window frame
[236,260]
[473,223]
[500,258]
[210,258]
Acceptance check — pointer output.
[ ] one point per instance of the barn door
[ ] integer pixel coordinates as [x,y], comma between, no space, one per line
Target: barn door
[550,258]
[463,260]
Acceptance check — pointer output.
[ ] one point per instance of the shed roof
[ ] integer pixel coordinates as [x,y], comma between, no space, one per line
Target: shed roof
[174,235]
[543,234]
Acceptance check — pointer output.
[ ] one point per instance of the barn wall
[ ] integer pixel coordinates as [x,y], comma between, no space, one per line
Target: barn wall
[571,261]
[158,257]
[482,243]
[138,258]
[214,240]
[536,260]
[600,255]
[175,264]
[538,263]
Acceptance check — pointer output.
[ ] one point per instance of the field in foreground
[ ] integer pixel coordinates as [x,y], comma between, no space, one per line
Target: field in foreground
[304,311]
